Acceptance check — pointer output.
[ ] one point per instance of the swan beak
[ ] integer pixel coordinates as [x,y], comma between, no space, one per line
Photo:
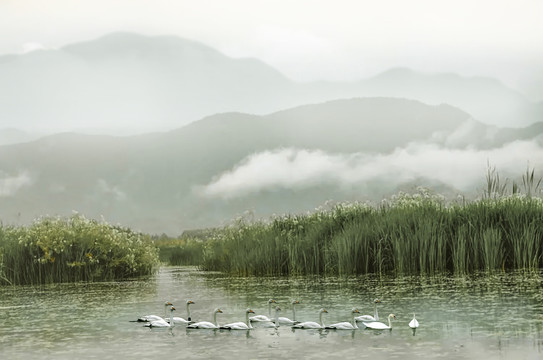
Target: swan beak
[324,310]
[169,303]
[172,308]
[219,310]
[356,311]
[251,311]
[190,302]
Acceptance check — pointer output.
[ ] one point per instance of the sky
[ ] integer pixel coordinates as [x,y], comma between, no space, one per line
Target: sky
[310,40]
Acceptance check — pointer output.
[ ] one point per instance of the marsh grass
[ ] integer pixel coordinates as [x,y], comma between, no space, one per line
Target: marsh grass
[409,234]
[73,249]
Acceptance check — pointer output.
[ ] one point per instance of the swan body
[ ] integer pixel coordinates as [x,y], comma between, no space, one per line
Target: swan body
[161,322]
[285,320]
[206,324]
[261,318]
[240,325]
[345,325]
[369,318]
[179,320]
[311,324]
[149,318]
[413,324]
[375,325]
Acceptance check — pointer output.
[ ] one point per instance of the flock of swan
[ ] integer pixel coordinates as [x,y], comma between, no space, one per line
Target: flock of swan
[367,321]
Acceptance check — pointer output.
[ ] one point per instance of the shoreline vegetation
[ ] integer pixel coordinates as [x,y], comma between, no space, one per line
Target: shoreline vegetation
[408,234]
[55,249]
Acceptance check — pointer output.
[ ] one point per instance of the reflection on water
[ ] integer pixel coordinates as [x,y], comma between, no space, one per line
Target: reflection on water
[489,316]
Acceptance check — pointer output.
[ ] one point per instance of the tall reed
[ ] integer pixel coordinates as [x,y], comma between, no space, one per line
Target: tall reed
[73,249]
[410,234]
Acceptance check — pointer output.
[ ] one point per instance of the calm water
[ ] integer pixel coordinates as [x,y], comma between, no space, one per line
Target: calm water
[474,317]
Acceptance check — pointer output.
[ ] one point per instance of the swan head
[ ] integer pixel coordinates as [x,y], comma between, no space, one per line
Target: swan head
[271,301]
[277,308]
[167,303]
[392,316]
[172,308]
[377,301]
[217,310]
[355,311]
[294,302]
[323,310]
[249,311]
[190,302]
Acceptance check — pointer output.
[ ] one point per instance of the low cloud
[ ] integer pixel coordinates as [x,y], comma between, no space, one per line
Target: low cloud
[113,191]
[291,168]
[9,185]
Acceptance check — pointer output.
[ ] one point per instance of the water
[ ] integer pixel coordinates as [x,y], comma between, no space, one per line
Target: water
[476,317]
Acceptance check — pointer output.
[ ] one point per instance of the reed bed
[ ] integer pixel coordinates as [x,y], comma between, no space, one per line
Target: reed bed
[409,234]
[73,249]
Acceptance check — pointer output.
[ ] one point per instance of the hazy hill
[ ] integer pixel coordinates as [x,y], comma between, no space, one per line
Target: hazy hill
[153,182]
[126,83]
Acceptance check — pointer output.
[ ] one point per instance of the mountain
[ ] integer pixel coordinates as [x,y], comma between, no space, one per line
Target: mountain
[157,182]
[125,83]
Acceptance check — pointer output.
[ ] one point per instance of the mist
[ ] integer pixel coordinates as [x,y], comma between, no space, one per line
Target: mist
[297,169]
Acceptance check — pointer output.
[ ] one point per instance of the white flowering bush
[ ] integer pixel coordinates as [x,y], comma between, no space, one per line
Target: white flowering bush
[55,249]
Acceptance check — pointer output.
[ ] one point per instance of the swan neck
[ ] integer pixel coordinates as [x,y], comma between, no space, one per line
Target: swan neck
[247,319]
[269,309]
[166,311]
[294,312]
[353,321]
[375,314]
[276,317]
[172,323]
[389,323]
[320,320]
[215,318]
[188,312]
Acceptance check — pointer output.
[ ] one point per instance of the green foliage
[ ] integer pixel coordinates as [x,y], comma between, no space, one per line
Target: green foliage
[73,249]
[409,234]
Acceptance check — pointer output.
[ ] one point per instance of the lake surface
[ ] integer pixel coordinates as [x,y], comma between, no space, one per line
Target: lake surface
[498,316]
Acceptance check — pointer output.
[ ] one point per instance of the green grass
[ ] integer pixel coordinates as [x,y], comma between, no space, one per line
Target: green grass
[410,234]
[73,249]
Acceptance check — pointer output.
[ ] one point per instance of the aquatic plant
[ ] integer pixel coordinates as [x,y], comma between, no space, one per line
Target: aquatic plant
[407,234]
[55,249]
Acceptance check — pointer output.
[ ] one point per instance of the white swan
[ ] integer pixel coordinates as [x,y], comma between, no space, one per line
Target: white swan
[285,320]
[413,324]
[148,318]
[264,317]
[369,318]
[240,325]
[375,325]
[206,324]
[311,324]
[179,320]
[161,322]
[345,325]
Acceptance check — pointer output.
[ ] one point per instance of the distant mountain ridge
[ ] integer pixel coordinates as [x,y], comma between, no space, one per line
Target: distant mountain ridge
[125,83]
[151,182]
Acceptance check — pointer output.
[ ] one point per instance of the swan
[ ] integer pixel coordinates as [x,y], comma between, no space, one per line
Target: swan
[275,322]
[369,318]
[179,320]
[413,324]
[345,325]
[311,324]
[240,325]
[148,318]
[161,323]
[375,325]
[264,317]
[206,324]
[286,320]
